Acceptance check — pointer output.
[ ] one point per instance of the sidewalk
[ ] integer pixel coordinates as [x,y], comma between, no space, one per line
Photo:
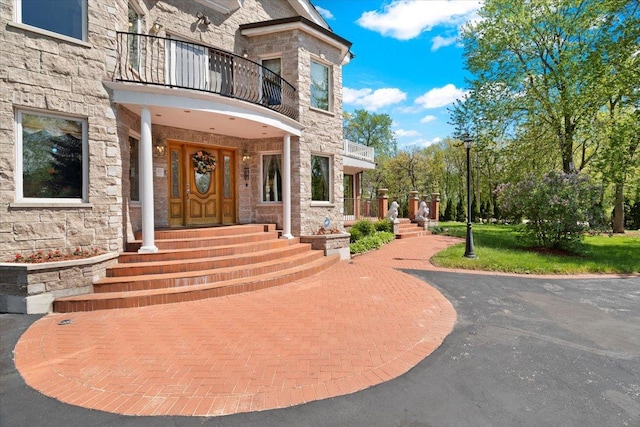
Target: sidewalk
[358,324]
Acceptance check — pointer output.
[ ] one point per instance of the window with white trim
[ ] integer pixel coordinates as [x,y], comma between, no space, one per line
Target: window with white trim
[271,178]
[134,169]
[320,178]
[52,157]
[66,17]
[133,39]
[320,88]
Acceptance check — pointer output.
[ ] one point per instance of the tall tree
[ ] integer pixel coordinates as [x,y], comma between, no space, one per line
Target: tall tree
[548,61]
[372,130]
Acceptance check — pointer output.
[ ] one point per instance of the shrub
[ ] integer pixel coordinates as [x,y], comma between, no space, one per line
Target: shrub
[365,227]
[355,235]
[371,242]
[383,225]
[559,208]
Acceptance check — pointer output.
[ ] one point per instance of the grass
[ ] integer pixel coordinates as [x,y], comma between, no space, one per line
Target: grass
[500,248]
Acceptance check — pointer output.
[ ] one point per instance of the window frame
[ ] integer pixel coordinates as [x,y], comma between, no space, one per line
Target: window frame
[269,153]
[136,136]
[17,15]
[330,180]
[137,30]
[19,171]
[329,108]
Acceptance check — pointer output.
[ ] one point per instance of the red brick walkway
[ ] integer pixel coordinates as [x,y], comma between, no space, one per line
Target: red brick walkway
[360,323]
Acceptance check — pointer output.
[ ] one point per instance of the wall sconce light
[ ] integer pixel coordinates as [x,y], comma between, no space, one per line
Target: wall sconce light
[245,54]
[160,146]
[156,27]
[245,156]
[205,20]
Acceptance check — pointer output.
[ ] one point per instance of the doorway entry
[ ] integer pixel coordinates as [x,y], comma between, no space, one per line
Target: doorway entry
[202,185]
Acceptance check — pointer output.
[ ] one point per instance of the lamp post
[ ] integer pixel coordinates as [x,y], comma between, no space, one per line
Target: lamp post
[468,251]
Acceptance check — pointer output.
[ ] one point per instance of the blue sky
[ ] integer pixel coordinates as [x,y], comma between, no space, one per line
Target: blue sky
[408,61]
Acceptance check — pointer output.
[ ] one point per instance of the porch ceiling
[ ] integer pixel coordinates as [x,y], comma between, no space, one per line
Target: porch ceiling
[208,113]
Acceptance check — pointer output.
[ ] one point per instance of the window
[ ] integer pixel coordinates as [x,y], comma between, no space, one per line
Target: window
[133,40]
[319,86]
[66,17]
[52,153]
[271,178]
[271,84]
[320,179]
[134,169]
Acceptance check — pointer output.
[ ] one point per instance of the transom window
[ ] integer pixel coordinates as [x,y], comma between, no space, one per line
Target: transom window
[66,17]
[271,178]
[320,179]
[319,86]
[52,153]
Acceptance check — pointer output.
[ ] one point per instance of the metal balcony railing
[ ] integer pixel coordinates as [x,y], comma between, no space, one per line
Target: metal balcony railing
[358,151]
[168,62]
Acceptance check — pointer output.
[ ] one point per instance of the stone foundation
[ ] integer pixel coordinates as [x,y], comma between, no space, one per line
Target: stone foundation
[337,243]
[31,288]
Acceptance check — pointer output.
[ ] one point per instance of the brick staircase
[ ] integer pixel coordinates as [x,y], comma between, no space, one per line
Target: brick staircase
[408,229]
[193,264]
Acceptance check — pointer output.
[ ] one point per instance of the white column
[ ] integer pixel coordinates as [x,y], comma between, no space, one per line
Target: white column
[146,182]
[286,188]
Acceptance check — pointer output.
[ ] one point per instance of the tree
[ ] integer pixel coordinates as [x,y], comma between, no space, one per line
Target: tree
[372,130]
[547,62]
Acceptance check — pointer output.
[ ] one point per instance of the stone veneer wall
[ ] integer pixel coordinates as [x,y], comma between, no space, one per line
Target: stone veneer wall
[48,74]
[31,288]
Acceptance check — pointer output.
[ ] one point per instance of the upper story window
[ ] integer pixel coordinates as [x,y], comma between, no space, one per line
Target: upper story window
[320,94]
[320,178]
[52,157]
[65,17]
[133,41]
[271,83]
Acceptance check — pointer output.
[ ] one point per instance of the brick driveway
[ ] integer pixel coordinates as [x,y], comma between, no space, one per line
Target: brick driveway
[360,323]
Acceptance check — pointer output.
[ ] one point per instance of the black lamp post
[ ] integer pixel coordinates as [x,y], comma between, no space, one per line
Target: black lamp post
[468,251]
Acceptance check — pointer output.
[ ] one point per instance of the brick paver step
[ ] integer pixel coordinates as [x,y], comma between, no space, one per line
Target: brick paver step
[206,263]
[140,298]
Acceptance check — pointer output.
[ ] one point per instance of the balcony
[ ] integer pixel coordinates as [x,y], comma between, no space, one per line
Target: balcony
[160,61]
[357,157]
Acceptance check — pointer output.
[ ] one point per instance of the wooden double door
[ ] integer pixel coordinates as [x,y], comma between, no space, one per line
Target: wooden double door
[202,185]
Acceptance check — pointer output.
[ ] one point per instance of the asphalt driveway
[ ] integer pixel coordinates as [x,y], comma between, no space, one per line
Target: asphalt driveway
[524,351]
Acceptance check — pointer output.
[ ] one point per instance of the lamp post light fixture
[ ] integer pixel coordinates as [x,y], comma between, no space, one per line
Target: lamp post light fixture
[468,251]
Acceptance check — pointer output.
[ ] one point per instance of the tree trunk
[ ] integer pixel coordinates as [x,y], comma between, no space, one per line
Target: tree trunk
[618,211]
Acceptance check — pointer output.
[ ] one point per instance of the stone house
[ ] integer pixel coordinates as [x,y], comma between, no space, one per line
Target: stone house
[133,115]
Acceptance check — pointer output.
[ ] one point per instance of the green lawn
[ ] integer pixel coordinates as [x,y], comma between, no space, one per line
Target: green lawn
[500,248]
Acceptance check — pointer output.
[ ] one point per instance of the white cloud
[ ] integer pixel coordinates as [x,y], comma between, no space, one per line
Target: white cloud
[372,100]
[401,133]
[420,143]
[325,13]
[429,118]
[440,97]
[437,42]
[404,19]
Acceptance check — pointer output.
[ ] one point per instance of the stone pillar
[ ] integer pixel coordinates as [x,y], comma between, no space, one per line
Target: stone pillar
[383,202]
[146,183]
[286,188]
[413,204]
[435,206]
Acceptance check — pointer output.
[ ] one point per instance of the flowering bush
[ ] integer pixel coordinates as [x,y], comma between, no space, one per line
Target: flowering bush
[203,162]
[558,209]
